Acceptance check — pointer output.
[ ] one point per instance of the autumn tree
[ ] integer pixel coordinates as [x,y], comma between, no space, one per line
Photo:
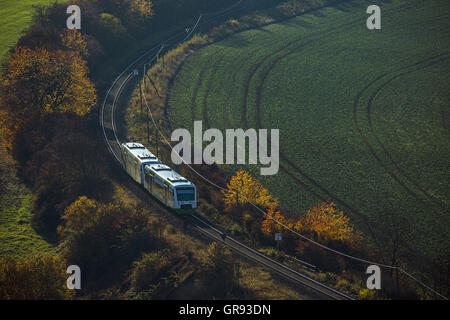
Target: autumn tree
[130,11]
[39,277]
[242,189]
[65,163]
[40,82]
[120,235]
[75,41]
[219,273]
[156,274]
[328,223]
[136,11]
[274,222]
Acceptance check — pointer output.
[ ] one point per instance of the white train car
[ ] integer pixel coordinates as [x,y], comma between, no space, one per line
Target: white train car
[134,157]
[160,180]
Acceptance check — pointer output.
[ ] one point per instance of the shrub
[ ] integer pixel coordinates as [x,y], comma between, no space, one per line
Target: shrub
[39,277]
[120,234]
[156,274]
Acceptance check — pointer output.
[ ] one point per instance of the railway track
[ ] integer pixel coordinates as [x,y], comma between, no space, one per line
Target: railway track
[108,124]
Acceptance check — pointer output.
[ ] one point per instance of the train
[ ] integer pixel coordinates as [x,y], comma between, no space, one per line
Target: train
[166,185]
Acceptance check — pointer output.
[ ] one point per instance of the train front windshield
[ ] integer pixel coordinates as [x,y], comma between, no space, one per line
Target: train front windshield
[185,194]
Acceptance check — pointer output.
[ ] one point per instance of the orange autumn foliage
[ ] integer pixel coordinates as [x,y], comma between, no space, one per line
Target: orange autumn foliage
[274,222]
[39,82]
[328,223]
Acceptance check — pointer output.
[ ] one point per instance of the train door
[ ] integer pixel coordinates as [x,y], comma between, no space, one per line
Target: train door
[137,173]
[150,182]
[166,190]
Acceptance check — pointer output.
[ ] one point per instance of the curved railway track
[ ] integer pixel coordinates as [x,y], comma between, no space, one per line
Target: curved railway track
[108,124]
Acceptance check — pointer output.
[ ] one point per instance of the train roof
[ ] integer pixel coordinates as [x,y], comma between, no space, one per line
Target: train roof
[169,176]
[140,152]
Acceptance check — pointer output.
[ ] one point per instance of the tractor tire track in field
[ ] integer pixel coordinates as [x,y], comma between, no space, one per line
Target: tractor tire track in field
[430,197]
[227,123]
[416,66]
[368,222]
[297,170]
[196,89]
[299,45]
[198,84]
[208,90]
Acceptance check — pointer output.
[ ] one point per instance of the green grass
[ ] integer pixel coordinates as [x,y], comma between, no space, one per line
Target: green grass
[307,73]
[15,17]
[17,236]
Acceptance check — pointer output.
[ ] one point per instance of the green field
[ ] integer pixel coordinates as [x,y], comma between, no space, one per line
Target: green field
[15,18]
[363,114]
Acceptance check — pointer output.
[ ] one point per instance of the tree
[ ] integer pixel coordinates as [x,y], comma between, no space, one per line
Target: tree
[68,166]
[243,188]
[137,11]
[110,31]
[147,270]
[220,275]
[103,239]
[39,277]
[269,226]
[40,82]
[75,41]
[328,223]
[129,11]
[156,274]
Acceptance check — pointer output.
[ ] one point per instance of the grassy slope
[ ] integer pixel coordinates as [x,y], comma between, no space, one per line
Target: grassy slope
[15,18]
[17,236]
[330,57]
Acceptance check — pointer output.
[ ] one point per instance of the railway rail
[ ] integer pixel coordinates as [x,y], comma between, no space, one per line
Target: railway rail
[108,124]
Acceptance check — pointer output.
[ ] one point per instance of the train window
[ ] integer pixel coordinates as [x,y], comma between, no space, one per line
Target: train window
[159,181]
[158,186]
[185,194]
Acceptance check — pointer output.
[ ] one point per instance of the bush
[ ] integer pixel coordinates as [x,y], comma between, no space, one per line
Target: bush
[236,230]
[218,273]
[40,277]
[66,168]
[120,234]
[366,294]
[156,274]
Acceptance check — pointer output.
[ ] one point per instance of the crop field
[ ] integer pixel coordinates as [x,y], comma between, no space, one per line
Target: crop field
[363,114]
[16,17]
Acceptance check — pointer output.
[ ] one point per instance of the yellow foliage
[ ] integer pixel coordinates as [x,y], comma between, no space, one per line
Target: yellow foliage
[366,294]
[38,82]
[328,223]
[243,188]
[41,81]
[82,213]
[74,40]
[141,8]
[270,226]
